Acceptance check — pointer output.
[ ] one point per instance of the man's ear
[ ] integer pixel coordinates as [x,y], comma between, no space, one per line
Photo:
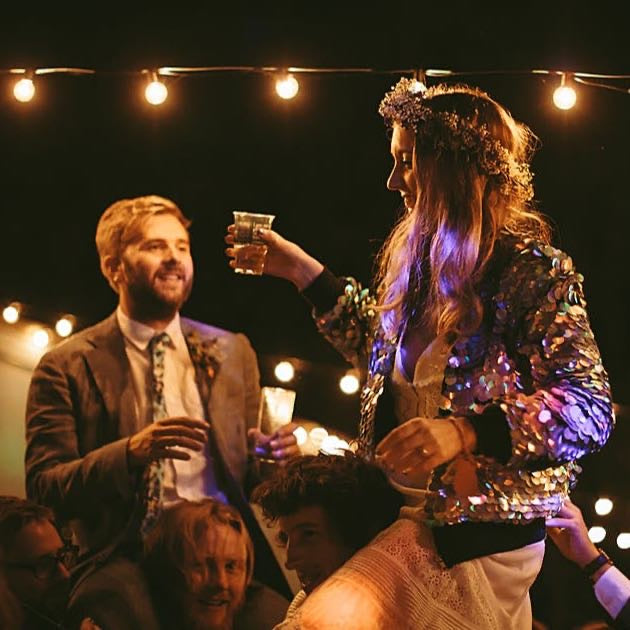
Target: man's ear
[110,267]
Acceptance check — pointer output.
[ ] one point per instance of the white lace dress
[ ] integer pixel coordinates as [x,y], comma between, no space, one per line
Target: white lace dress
[398,582]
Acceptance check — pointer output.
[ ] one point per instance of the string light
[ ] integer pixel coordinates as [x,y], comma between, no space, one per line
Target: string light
[301,436]
[419,82]
[155,92]
[596,534]
[603,506]
[333,445]
[564,96]
[65,326]
[284,371]
[623,540]
[349,383]
[40,339]
[287,86]
[11,313]
[317,435]
[24,89]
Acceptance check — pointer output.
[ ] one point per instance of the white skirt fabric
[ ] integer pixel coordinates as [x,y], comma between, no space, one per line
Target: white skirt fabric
[398,583]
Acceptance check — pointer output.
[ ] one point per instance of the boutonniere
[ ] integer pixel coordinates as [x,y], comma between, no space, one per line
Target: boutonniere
[205,353]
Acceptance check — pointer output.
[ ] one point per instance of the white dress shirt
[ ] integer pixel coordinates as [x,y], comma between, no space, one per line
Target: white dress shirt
[192,479]
[613,591]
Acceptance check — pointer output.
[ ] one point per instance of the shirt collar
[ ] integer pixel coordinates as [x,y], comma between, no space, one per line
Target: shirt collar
[140,334]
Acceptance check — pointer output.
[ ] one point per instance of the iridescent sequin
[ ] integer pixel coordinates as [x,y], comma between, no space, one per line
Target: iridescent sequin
[536,360]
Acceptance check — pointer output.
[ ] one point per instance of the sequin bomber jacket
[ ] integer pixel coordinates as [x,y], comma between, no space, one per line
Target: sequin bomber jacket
[530,376]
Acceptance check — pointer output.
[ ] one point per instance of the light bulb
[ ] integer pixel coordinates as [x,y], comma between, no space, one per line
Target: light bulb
[623,540]
[64,327]
[564,97]
[597,534]
[156,92]
[603,506]
[11,314]
[418,87]
[24,90]
[284,371]
[349,384]
[287,87]
[300,435]
[40,339]
[317,435]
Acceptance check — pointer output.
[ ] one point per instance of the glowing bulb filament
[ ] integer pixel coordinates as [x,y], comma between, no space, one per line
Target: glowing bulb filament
[287,87]
[24,90]
[156,92]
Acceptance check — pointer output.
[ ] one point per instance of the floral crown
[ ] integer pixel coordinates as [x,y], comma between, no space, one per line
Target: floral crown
[446,131]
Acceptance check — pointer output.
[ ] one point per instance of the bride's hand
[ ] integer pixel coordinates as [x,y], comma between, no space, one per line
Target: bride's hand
[419,445]
[284,258]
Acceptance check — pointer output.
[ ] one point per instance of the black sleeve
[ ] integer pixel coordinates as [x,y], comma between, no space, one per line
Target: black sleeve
[493,434]
[323,292]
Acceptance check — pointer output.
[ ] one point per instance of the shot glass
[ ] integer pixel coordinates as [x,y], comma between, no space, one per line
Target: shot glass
[249,249]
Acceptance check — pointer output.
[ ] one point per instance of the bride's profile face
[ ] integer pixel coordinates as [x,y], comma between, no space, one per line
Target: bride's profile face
[314,548]
[403,176]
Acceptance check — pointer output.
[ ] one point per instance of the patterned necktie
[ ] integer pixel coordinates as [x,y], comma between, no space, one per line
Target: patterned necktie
[154,473]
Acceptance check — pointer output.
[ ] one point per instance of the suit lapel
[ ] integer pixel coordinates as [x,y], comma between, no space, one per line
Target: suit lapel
[109,365]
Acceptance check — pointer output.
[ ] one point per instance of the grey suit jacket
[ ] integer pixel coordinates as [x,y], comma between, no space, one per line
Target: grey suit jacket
[80,413]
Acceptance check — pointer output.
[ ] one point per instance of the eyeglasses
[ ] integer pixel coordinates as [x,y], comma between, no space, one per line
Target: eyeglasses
[46,566]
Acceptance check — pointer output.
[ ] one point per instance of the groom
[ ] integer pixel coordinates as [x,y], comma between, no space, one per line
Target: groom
[123,421]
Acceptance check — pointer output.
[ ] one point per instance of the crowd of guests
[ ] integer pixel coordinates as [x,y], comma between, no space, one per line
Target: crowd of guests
[482,387]
[197,565]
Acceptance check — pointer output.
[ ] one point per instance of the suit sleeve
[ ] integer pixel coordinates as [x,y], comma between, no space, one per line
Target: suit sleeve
[59,473]
[251,380]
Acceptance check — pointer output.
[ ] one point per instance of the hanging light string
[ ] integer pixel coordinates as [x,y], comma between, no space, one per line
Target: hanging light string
[287,86]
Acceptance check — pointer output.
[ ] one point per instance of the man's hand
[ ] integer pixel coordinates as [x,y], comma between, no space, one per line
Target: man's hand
[164,439]
[568,531]
[281,445]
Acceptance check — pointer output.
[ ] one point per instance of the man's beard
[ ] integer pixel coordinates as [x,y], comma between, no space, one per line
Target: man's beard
[149,303]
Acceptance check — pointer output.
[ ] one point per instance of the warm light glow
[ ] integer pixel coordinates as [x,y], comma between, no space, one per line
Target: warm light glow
[40,339]
[349,384]
[156,92]
[301,435]
[11,314]
[24,90]
[284,371]
[597,534]
[317,435]
[332,445]
[603,506]
[623,540]
[564,97]
[287,87]
[418,86]
[64,327]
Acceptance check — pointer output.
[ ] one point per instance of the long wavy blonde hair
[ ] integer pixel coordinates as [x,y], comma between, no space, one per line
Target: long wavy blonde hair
[431,264]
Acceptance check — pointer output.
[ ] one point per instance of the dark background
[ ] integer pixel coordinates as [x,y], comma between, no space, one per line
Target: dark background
[224,141]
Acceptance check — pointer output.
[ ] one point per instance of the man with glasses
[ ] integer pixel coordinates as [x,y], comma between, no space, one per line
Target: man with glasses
[35,564]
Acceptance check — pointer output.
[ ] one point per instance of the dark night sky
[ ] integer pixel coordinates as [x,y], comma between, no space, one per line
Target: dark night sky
[224,142]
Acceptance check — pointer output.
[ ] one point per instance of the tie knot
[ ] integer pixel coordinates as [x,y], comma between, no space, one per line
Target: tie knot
[158,343]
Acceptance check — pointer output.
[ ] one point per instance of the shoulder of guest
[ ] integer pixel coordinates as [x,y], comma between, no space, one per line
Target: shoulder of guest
[207,331]
[85,339]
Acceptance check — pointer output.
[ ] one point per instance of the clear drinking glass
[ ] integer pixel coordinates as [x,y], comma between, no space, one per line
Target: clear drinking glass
[249,249]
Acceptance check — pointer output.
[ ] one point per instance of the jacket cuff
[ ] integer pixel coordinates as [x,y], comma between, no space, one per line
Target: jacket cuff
[323,292]
[493,434]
